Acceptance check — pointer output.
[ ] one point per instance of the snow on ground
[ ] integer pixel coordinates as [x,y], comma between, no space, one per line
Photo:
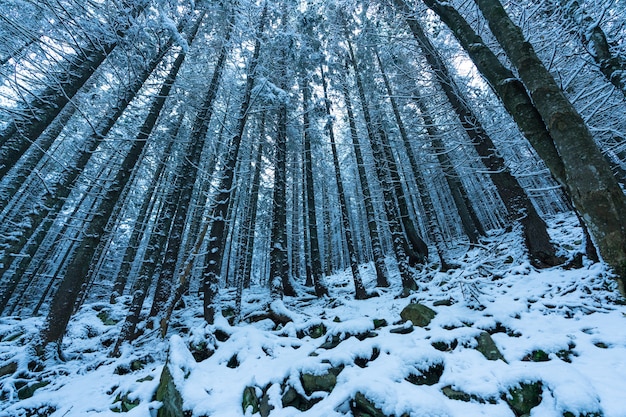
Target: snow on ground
[561,328]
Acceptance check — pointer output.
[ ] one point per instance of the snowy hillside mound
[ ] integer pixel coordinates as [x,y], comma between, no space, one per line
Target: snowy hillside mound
[493,337]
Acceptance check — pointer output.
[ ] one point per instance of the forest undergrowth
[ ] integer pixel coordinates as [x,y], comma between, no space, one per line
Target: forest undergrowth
[500,338]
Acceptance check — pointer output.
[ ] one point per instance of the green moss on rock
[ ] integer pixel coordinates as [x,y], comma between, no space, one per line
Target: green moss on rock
[418,314]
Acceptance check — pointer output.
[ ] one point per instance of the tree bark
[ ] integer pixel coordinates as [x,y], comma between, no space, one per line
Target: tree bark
[345,217]
[509,89]
[16,138]
[316,261]
[76,272]
[395,201]
[594,39]
[433,228]
[219,212]
[520,209]
[469,219]
[184,185]
[594,190]
[382,279]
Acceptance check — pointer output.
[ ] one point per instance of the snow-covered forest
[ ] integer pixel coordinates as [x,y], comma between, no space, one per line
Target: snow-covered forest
[312,207]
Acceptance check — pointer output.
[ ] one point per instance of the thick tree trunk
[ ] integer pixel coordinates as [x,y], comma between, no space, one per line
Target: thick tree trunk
[520,209]
[594,190]
[510,89]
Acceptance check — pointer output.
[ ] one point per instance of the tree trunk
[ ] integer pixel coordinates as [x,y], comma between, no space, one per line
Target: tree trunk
[219,212]
[508,88]
[316,262]
[16,138]
[345,217]
[147,206]
[61,306]
[382,279]
[184,185]
[592,186]
[469,219]
[593,38]
[520,209]
[279,266]
[429,208]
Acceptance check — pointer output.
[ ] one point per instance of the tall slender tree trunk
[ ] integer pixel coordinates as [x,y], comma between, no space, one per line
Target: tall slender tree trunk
[395,201]
[147,206]
[61,306]
[345,217]
[250,221]
[520,209]
[414,246]
[244,263]
[382,279]
[219,212]
[184,185]
[469,219]
[508,88]
[46,214]
[16,138]
[279,266]
[434,230]
[594,39]
[316,261]
[594,190]
[20,173]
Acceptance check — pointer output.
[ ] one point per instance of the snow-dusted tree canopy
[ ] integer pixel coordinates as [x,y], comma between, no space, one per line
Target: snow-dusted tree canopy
[182,174]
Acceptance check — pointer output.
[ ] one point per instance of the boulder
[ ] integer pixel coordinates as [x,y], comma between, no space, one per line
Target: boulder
[169,395]
[325,382]
[524,397]
[361,406]
[418,314]
[428,376]
[28,390]
[250,400]
[488,348]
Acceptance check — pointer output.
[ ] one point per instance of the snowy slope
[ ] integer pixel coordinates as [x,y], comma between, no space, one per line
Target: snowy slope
[559,331]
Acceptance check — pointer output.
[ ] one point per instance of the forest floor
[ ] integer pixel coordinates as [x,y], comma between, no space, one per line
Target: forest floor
[504,340]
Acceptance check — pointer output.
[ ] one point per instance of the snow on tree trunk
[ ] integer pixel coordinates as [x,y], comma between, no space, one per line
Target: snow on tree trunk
[594,190]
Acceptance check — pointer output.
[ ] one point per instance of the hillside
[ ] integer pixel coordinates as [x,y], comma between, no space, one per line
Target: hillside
[498,339]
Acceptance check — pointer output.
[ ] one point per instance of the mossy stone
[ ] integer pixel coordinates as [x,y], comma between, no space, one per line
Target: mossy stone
[169,395]
[362,407]
[524,397]
[488,348]
[325,382]
[28,391]
[250,399]
[419,314]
